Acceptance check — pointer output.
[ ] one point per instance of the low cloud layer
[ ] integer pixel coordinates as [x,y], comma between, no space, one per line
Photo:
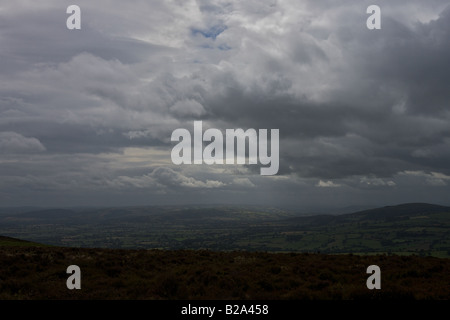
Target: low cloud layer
[86,115]
[12,142]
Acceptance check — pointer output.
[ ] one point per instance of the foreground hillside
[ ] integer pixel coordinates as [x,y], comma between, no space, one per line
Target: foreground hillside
[8,241]
[40,273]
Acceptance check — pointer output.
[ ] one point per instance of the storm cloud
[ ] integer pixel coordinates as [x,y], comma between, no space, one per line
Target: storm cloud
[86,115]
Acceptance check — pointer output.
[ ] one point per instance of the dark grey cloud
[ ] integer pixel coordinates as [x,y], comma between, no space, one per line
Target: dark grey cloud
[86,115]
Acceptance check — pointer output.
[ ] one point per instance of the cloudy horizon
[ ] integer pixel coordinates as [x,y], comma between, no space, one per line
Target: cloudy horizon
[86,115]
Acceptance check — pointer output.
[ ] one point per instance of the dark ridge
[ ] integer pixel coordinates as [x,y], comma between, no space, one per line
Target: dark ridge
[401,210]
[383,213]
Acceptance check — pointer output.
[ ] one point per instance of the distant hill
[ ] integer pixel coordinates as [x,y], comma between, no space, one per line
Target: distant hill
[400,211]
[9,210]
[44,215]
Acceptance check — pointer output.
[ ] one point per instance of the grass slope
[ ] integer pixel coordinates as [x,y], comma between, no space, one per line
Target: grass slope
[13,242]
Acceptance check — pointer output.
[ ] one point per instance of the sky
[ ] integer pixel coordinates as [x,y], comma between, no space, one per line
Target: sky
[86,116]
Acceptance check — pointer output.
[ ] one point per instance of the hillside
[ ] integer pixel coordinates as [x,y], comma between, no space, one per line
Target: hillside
[40,273]
[13,242]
